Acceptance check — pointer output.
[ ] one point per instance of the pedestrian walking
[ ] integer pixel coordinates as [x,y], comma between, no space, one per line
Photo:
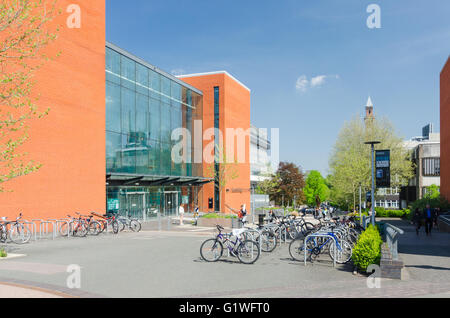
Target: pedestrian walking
[428,215]
[437,213]
[417,220]
[181,212]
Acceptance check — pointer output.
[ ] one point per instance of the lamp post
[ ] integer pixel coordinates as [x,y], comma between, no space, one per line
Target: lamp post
[373,143]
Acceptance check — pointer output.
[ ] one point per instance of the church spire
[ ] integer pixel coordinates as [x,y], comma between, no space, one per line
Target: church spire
[369,109]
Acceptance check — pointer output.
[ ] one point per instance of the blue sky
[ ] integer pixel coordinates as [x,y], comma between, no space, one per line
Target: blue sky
[310,64]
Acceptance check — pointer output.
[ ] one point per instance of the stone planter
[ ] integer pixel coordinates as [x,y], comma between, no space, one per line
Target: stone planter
[207,222]
[389,267]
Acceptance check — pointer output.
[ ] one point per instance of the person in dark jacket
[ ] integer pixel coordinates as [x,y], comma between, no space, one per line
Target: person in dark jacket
[417,219]
[437,213]
[428,215]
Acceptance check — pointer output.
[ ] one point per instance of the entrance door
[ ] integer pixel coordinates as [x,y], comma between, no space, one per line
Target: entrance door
[170,203]
[136,205]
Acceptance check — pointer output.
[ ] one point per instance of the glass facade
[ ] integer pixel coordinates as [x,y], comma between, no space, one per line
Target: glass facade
[143,107]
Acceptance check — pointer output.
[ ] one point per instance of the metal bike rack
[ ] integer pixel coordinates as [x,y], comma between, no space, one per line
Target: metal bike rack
[249,231]
[59,224]
[43,225]
[315,235]
[54,223]
[34,228]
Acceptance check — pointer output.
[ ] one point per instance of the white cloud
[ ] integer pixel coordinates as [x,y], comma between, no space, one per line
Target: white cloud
[178,71]
[303,83]
[318,80]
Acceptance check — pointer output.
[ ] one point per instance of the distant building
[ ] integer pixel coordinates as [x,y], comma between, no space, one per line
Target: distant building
[260,164]
[425,155]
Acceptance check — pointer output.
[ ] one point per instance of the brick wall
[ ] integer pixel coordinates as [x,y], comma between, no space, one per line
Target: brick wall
[70,141]
[445,130]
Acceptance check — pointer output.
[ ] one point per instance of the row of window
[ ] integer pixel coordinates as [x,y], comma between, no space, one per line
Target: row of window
[431,167]
[392,204]
[125,72]
[138,155]
[128,112]
[388,191]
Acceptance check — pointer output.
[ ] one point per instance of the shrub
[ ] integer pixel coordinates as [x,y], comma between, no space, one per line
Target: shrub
[218,216]
[3,253]
[381,212]
[434,202]
[368,248]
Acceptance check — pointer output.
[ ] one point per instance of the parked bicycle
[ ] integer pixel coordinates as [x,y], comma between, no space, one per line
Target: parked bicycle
[247,251]
[16,231]
[130,223]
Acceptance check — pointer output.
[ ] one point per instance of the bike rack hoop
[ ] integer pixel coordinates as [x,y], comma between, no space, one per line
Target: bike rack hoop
[317,234]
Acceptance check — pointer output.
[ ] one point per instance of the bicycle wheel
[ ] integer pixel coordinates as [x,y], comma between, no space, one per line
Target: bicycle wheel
[19,234]
[81,230]
[248,252]
[211,250]
[115,227]
[94,228]
[3,234]
[297,248]
[66,228]
[122,224]
[343,253]
[102,225]
[292,232]
[135,226]
[268,241]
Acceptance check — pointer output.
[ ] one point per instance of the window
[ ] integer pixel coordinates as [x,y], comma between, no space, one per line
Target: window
[431,167]
[155,120]
[112,66]
[128,72]
[128,111]
[112,107]
[216,143]
[142,79]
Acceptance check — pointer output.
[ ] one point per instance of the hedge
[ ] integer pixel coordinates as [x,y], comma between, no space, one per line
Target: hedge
[382,212]
[368,248]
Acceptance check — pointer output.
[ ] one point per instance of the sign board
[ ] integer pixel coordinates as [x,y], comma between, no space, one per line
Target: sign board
[113,204]
[185,199]
[383,168]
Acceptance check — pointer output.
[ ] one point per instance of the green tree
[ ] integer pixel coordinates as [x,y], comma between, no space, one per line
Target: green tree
[316,191]
[350,161]
[23,35]
[432,192]
[289,184]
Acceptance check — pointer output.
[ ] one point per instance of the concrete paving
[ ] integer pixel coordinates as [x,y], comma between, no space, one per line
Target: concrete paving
[165,263]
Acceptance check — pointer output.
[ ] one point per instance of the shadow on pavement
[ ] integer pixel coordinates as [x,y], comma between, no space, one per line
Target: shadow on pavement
[437,244]
[429,267]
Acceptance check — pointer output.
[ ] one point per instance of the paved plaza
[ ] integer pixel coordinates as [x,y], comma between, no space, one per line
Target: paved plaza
[167,263]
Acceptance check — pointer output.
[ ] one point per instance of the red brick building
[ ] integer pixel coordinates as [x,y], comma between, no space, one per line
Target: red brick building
[445,130]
